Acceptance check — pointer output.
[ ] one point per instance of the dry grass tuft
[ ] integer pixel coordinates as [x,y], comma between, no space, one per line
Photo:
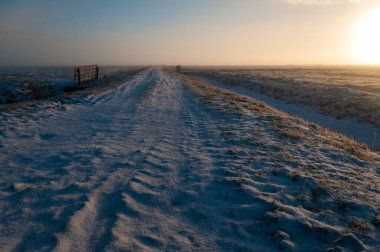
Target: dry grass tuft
[238,105]
[292,134]
[342,142]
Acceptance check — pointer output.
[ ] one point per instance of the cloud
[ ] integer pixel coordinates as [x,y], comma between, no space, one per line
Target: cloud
[319,2]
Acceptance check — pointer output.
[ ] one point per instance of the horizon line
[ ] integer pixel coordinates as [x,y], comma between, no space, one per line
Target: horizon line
[203,65]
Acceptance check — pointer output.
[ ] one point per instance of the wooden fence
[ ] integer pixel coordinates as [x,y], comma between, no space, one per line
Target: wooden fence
[85,73]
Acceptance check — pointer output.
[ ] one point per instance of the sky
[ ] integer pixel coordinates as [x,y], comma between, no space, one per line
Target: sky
[187,32]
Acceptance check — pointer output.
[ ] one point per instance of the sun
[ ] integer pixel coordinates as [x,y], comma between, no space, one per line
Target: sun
[367,38]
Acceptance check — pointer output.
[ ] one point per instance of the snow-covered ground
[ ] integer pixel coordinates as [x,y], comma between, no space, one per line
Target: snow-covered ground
[345,99]
[22,84]
[168,162]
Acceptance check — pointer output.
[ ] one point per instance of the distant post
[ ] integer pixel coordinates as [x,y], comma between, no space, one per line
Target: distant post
[86,73]
[178,68]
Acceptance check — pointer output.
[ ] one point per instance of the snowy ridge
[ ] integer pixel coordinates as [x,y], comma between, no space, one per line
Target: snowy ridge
[169,162]
[350,96]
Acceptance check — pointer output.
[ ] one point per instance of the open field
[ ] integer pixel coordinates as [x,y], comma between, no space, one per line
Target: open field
[166,161]
[25,84]
[344,99]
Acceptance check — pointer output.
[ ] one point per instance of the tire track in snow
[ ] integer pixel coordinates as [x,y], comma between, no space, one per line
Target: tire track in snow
[88,220]
[180,200]
[89,228]
[94,149]
[165,164]
[154,223]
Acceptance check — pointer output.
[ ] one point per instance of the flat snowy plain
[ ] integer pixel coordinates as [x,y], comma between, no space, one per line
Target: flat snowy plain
[166,161]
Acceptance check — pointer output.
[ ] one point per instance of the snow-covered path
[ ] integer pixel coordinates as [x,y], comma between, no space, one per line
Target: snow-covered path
[166,163]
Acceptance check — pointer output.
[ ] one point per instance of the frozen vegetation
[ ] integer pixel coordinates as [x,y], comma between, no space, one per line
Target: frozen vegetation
[166,161]
[22,84]
[349,95]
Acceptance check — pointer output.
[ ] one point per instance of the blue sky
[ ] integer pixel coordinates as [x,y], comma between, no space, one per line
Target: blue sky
[197,32]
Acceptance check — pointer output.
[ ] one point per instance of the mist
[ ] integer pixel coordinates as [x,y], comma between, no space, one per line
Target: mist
[172,32]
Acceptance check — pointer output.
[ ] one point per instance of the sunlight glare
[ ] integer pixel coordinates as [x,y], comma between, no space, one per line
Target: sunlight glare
[367,38]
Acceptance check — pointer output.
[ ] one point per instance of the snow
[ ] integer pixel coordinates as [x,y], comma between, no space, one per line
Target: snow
[363,132]
[346,100]
[23,84]
[27,83]
[165,161]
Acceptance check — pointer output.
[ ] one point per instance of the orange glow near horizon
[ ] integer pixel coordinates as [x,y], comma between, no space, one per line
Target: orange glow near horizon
[367,38]
[197,32]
